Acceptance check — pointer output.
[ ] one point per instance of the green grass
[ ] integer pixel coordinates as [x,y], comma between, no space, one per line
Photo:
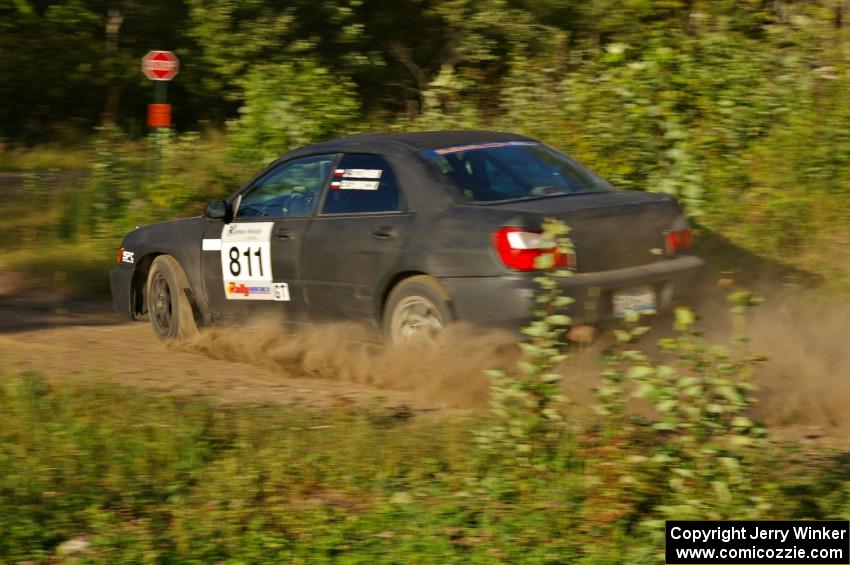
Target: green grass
[45,157]
[73,271]
[157,479]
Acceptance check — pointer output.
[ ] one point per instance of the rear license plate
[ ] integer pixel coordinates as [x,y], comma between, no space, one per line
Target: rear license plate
[640,299]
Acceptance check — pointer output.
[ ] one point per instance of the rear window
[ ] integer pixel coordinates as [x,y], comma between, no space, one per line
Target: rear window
[362,183]
[490,172]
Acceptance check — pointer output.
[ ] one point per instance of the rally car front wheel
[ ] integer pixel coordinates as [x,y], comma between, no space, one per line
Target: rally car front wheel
[168,305]
[416,310]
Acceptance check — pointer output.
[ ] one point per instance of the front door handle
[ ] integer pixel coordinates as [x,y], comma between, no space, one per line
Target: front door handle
[283,233]
[383,232]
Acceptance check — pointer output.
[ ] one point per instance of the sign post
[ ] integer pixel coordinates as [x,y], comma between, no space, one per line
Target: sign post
[160,67]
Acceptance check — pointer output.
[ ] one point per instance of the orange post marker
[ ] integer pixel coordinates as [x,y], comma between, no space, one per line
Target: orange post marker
[159,115]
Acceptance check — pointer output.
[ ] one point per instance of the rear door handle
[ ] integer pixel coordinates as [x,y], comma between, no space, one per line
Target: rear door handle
[283,233]
[383,232]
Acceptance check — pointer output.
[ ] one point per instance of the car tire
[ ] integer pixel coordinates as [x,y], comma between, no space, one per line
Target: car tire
[416,310]
[169,309]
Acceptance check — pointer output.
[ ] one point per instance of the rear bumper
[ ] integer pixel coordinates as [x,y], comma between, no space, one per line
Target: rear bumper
[506,301]
[119,283]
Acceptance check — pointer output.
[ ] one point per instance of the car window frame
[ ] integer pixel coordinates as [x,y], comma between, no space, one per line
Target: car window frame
[402,197]
[236,199]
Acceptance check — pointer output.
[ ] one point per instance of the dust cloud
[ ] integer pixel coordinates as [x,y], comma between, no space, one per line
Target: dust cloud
[804,385]
[806,380]
[449,373]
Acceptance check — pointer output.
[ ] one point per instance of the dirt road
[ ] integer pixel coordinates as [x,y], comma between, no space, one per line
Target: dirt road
[88,342]
[319,367]
[804,387]
[95,347]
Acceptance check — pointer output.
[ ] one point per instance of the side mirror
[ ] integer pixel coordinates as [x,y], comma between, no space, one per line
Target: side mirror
[217,210]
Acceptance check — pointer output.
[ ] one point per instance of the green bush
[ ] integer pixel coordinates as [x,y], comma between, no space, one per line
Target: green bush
[292,104]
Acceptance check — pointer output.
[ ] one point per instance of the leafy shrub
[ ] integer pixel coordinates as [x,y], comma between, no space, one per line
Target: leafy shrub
[694,459]
[530,425]
[292,104]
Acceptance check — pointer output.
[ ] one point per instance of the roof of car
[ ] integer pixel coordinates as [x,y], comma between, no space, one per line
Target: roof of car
[418,141]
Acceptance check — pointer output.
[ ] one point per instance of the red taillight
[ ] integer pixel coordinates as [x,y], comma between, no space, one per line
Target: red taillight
[679,240]
[120,254]
[519,249]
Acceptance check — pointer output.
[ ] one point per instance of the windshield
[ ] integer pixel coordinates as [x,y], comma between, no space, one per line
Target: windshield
[490,172]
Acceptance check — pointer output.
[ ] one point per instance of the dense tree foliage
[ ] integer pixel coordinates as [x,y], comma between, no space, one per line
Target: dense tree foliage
[739,107]
[75,64]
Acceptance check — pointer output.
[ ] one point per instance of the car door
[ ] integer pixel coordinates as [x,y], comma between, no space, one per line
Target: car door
[356,240]
[252,264]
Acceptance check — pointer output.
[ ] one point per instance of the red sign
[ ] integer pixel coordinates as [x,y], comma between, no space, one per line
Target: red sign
[160,65]
[159,115]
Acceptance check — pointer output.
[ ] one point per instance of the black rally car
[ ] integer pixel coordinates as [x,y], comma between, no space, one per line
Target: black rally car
[410,231]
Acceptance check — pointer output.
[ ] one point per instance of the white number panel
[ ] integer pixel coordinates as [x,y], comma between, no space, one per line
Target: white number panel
[246,266]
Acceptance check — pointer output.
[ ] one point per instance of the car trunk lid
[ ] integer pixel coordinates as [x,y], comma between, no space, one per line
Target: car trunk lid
[610,230]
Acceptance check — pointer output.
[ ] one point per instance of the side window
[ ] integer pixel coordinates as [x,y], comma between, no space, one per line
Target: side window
[290,190]
[362,183]
[501,182]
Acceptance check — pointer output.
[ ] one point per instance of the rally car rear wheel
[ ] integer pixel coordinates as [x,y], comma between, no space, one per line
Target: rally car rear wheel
[416,310]
[168,305]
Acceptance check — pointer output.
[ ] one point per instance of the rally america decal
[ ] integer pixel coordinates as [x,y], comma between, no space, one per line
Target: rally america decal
[246,267]
[257,292]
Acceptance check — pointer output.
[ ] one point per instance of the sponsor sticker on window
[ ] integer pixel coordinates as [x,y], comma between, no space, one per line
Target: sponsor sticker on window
[355,185]
[358,173]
